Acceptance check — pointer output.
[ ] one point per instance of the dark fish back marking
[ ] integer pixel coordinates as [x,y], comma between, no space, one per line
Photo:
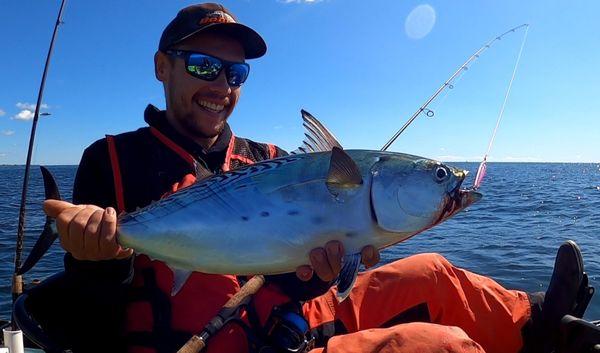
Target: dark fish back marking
[210,187]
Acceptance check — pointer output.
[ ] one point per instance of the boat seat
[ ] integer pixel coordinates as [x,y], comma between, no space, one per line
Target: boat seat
[39,314]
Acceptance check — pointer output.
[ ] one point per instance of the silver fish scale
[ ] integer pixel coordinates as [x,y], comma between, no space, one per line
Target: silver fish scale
[266,218]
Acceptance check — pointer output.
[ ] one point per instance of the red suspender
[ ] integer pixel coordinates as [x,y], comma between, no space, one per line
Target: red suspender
[227,165]
[114,162]
[272,151]
[174,147]
[229,155]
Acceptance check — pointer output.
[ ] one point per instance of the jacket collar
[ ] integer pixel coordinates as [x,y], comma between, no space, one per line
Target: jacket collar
[158,119]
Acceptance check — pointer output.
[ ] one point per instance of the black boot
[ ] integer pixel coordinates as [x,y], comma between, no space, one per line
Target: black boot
[540,334]
[561,296]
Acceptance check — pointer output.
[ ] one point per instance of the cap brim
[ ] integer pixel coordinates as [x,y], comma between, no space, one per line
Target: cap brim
[254,45]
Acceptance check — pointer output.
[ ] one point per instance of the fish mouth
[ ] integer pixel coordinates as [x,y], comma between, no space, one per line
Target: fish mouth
[459,199]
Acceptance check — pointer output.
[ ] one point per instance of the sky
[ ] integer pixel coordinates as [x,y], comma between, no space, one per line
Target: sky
[361,67]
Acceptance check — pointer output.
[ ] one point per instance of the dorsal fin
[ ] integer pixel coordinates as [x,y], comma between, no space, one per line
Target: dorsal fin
[317,137]
[343,171]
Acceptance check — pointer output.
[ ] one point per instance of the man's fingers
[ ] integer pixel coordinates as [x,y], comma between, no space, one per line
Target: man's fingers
[63,220]
[76,232]
[124,253]
[107,239]
[335,253]
[63,224]
[91,235]
[320,264]
[187,180]
[369,256]
[304,272]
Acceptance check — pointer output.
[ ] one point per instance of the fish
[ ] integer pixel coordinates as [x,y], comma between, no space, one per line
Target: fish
[265,218]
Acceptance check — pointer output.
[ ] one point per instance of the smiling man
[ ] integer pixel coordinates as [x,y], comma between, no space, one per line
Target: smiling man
[116,301]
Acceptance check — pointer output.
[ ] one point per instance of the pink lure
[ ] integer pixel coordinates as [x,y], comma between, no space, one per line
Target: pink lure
[480,174]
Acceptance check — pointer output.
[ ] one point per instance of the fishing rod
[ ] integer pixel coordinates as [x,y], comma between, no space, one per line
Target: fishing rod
[483,166]
[17,283]
[448,84]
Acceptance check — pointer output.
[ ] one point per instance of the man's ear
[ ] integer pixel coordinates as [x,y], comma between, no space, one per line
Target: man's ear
[162,66]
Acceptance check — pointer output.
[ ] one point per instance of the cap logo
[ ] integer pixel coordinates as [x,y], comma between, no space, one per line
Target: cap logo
[216,17]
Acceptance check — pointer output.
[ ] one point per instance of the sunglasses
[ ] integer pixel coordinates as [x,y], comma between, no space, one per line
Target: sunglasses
[208,68]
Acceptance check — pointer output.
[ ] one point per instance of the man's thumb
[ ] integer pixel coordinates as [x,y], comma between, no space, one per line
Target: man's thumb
[53,208]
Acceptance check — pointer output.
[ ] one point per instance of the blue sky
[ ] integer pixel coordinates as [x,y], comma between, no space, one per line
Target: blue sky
[361,67]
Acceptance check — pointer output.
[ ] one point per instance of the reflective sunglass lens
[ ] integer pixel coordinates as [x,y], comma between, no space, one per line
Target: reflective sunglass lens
[204,66]
[237,74]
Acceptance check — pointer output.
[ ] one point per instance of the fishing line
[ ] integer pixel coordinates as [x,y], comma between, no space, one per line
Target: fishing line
[448,84]
[483,167]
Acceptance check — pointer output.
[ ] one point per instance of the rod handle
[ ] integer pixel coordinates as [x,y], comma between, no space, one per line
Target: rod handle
[198,342]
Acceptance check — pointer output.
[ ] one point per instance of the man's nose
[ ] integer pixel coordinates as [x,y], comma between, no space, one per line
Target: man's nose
[220,84]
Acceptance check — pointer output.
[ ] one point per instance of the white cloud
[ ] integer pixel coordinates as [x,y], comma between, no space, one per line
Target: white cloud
[2,154]
[27,111]
[8,132]
[2,112]
[29,106]
[24,115]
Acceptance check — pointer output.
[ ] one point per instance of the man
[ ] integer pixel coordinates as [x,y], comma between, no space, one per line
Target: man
[120,301]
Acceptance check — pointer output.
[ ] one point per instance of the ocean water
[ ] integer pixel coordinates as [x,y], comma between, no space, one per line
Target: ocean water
[511,235]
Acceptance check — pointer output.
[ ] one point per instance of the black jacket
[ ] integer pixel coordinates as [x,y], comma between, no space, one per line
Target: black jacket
[98,293]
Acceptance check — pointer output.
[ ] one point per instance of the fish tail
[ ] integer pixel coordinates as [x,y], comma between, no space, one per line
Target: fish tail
[49,234]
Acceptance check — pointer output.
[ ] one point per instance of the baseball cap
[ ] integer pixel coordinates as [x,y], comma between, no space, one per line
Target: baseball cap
[211,17]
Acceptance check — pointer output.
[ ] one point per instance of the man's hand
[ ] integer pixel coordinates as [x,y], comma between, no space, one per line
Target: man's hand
[327,262]
[88,232]
[186,181]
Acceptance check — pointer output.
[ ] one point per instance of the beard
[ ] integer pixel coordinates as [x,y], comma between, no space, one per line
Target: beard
[195,127]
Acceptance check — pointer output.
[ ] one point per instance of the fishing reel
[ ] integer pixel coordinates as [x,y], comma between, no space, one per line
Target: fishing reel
[288,331]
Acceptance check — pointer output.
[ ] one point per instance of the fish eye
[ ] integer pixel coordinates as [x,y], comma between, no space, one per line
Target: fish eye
[441,174]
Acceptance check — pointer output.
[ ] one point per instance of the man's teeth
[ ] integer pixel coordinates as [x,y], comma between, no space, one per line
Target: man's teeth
[211,106]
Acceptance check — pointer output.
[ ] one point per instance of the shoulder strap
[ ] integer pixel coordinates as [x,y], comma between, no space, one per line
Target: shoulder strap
[241,152]
[116,170]
[229,154]
[272,150]
[173,146]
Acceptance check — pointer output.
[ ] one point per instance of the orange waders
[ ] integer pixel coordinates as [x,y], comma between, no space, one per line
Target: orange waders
[487,313]
[416,337]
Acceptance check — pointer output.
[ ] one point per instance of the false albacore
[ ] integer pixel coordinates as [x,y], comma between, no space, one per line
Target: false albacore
[266,218]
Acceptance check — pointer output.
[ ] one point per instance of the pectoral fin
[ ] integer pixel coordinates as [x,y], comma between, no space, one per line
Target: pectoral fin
[343,171]
[179,278]
[347,276]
